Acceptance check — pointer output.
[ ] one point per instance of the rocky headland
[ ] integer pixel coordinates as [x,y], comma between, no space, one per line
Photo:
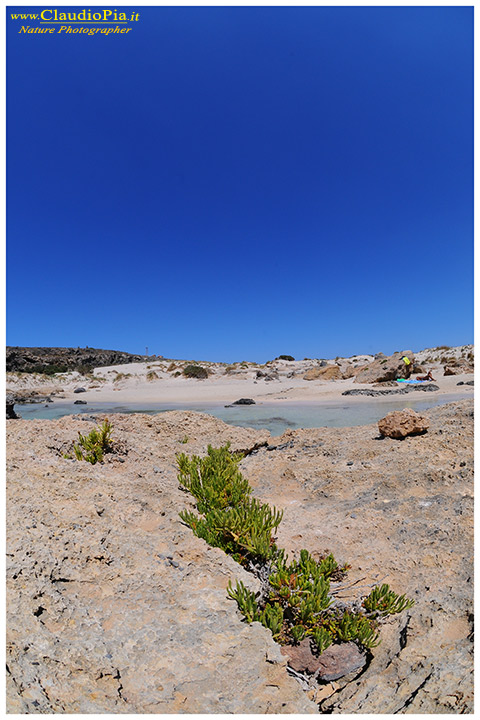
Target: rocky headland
[114,606]
[51,360]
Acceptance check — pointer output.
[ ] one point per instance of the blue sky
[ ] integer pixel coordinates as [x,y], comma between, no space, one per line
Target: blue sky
[239,183]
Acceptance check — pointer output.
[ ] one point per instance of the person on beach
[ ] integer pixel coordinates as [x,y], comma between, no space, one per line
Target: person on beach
[428,376]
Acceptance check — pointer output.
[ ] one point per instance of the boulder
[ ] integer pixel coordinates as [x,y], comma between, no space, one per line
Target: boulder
[79,390]
[244,401]
[401,423]
[352,370]
[385,369]
[272,375]
[329,372]
[457,368]
[10,403]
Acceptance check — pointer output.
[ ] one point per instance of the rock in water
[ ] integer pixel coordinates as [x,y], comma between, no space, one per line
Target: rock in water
[401,423]
[10,403]
[244,401]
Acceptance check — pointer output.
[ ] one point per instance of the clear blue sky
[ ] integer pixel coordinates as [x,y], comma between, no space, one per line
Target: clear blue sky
[239,183]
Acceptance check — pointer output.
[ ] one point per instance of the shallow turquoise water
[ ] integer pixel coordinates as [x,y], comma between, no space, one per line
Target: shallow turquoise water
[275,418]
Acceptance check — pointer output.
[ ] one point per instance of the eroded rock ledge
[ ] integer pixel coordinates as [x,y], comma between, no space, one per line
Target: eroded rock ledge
[115,606]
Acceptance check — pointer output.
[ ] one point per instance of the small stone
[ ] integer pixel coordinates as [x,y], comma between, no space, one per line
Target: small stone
[300,657]
[156,469]
[349,462]
[79,390]
[335,662]
[340,660]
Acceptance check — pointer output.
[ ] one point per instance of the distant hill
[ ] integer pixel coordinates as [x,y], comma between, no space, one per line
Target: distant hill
[52,360]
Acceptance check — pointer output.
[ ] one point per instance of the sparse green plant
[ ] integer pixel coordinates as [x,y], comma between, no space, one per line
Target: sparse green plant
[195,371]
[322,638]
[152,375]
[286,357]
[184,440]
[121,376]
[295,602]
[92,447]
[171,367]
[384,601]
[246,600]
[231,520]
[356,627]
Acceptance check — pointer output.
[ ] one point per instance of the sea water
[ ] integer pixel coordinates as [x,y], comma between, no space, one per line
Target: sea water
[273,417]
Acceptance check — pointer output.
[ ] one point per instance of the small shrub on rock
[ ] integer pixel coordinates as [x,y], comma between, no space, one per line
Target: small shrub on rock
[231,520]
[295,601]
[286,357]
[92,447]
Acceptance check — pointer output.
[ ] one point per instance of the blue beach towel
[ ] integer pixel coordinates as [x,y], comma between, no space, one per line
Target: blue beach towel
[412,382]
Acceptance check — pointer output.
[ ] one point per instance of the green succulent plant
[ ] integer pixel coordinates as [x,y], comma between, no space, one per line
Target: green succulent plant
[295,602]
[92,447]
[384,601]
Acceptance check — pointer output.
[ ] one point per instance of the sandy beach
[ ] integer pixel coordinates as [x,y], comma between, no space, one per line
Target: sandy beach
[276,383]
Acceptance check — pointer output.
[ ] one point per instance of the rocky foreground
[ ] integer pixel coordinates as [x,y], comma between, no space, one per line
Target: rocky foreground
[114,606]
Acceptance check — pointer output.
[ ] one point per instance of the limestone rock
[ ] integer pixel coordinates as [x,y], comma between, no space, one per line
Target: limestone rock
[352,370]
[458,368]
[401,423]
[114,606]
[329,372]
[385,369]
[403,514]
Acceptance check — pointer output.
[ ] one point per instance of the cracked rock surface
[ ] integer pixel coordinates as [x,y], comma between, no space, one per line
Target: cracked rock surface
[114,606]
